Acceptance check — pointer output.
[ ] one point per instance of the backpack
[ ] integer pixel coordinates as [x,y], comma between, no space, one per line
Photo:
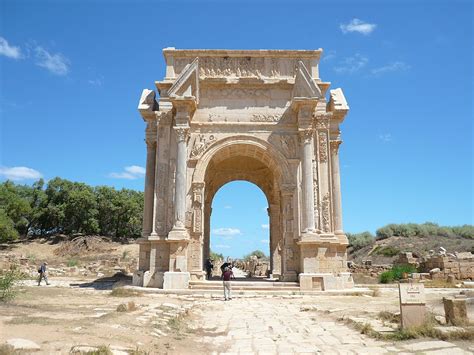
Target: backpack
[39,270]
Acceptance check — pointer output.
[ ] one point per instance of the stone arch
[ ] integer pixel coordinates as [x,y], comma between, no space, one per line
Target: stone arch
[254,147]
[250,159]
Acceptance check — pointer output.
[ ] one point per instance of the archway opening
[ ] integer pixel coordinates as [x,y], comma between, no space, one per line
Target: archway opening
[240,230]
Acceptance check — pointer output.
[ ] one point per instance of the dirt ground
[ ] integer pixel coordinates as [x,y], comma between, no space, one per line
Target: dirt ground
[72,314]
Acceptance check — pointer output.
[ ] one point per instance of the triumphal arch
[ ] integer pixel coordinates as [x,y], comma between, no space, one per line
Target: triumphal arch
[263,116]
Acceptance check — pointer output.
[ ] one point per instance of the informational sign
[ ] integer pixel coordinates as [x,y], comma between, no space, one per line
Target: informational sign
[412,293]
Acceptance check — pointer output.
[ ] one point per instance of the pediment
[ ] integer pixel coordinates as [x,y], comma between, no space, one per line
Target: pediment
[187,83]
[305,86]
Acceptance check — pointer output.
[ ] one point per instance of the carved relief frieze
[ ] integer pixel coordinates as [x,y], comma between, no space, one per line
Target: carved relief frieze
[323,147]
[201,143]
[316,192]
[241,67]
[258,117]
[322,120]
[235,93]
[325,204]
[195,249]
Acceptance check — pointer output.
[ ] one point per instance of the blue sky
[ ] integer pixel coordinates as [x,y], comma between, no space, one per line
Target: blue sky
[71,74]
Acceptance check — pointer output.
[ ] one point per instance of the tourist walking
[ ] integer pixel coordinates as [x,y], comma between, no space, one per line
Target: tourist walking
[226,276]
[209,267]
[43,273]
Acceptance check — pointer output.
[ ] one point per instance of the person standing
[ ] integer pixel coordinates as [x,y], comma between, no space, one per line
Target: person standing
[226,276]
[209,267]
[43,273]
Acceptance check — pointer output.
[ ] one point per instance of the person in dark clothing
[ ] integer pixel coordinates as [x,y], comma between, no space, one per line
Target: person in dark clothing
[43,273]
[209,267]
[224,266]
[226,276]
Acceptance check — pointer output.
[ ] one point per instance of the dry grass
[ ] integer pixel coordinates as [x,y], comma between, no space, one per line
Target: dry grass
[439,284]
[427,330]
[389,317]
[125,292]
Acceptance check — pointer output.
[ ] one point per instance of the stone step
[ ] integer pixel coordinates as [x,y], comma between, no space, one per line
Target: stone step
[246,286]
[235,283]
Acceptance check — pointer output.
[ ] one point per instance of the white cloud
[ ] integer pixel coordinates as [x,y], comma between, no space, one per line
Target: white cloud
[225,232]
[221,246]
[19,173]
[130,173]
[352,64]
[265,241]
[330,55]
[135,169]
[227,207]
[95,82]
[55,63]
[394,66]
[386,137]
[265,226]
[356,25]
[9,51]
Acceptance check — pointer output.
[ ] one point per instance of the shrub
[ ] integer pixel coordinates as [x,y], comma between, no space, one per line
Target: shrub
[396,273]
[125,292]
[8,280]
[388,251]
[424,230]
[72,262]
[360,240]
[216,256]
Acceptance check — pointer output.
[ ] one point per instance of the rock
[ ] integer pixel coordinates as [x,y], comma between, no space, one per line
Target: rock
[435,270]
[23,344]
[455,310]
[440,319]
[83,349]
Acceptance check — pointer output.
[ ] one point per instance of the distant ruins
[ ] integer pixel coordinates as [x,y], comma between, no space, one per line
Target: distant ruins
[255,115]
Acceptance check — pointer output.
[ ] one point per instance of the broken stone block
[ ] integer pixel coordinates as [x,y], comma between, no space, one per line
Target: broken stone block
[455,311]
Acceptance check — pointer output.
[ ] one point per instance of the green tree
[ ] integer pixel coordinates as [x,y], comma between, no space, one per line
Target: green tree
[7,227]
[360,240]
[15,207]
[258,253]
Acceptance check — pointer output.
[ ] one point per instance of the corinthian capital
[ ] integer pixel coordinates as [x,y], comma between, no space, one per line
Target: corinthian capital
[181,133]
[306,135]
[335,145]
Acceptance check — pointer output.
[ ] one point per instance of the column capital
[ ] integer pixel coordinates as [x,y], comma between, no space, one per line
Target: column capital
[335,145]
[306,135]
[181,133]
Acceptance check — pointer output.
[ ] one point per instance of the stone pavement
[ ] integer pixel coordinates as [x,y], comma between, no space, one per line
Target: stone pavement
[278,326]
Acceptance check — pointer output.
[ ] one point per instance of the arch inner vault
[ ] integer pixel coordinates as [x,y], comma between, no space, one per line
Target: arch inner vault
[259,116]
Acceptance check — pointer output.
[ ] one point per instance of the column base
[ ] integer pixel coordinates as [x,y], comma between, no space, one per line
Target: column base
[178,234]
[176,280]
[153,279]
[198,275]
[289,276]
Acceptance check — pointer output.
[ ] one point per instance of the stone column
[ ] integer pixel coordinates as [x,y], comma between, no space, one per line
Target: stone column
[307,175]
[149,188]
[336,187]
[151,144]
[180,181]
